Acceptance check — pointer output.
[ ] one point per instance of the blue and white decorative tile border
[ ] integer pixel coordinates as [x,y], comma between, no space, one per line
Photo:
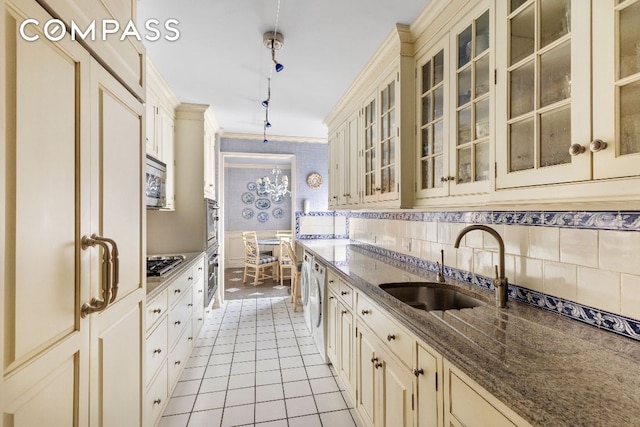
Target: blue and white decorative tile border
[594,220]
[592,316]
[332,214]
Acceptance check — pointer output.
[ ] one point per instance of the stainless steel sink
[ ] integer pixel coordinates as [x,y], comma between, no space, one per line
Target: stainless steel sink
[430,296]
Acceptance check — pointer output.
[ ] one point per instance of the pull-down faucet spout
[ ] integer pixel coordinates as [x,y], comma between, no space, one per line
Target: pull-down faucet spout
[500,282]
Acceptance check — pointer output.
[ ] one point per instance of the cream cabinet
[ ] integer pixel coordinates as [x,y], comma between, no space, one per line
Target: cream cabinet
[173,319]
[468,404]
[63,364]
[340,331]
[160,126]
[455,109]
[566,120]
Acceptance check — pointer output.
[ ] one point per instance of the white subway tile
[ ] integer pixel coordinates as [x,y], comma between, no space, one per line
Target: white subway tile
[490,243]
[432,231]
[599,288]
[473,239]
[620,251]
[463,259]
[544,243]
[579,247]
[483,263]
[560,280]
[516,240]
[630,296]
[529,273]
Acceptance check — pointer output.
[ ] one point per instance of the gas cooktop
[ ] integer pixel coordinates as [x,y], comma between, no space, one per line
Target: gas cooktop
[160,265]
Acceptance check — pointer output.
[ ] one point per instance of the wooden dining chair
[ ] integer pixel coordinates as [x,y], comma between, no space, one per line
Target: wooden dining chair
[256,264]
[285,264]
[295,278]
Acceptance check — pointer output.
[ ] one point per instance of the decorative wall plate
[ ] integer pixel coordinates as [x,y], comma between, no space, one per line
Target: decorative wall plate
[314,180]
[260,191]
[251,186]
[277,198]
[263,204]
[248,198]
[263,217]
[278,213]
[247,213]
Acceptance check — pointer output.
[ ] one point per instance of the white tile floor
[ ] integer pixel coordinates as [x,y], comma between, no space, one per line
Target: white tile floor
[256,364]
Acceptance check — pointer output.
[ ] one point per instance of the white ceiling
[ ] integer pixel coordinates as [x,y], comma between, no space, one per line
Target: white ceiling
[219,58]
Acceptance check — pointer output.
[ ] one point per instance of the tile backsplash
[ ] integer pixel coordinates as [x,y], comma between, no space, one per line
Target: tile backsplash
[582,264]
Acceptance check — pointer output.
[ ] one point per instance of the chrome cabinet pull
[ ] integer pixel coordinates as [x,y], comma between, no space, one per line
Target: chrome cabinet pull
[177,322]
[344,293]
[157,351]
[177,362]
[177,291]
[157,401]
[391,337]
[374,359]
[344,311]
[110,274]
[156,311]
[418,372]
[364,312]
[378,365]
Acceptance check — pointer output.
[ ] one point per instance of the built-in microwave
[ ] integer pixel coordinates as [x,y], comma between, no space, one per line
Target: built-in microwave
[155,187]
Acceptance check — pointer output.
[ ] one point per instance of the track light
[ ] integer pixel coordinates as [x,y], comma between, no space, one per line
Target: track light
[274,41]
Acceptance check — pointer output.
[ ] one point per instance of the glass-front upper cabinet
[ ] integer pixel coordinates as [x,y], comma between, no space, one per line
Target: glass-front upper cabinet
[616,89]
[432,156]
[472,104]
[380,138]
[544,70]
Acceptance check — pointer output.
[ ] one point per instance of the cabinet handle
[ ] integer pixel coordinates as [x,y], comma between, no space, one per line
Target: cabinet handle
[157,311]
[331,297]
[189,305]
[344,311]
[391,337]
[377,189]
[177,322]
[365,312]
[199,268]
[446,178]
[344,293]
[199,319]
[177,291]
[576,149]
[110,274]
[177,362]
[597,145]
[189,278]
[199,291]
[157,401]
[377,365]
[331,281]
[190,339]
[157,351]
[374,359]
[418,372]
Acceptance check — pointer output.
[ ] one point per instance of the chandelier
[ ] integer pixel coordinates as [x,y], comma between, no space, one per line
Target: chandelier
[276,189]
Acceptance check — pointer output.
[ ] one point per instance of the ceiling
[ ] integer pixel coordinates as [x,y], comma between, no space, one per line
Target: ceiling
[219,58]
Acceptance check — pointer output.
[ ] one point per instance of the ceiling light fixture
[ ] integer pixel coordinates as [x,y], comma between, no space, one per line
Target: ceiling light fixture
[273,41]
[276,189]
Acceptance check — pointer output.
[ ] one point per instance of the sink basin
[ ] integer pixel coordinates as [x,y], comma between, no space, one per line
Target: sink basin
[430,296]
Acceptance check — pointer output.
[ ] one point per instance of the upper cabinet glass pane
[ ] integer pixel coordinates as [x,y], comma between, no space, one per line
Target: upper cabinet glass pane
[522,35]
[555,20]
[482,33]
[516,4]
[555,75]
[630,119]
[464,47]
[438,67]
[426,77]
[629,42]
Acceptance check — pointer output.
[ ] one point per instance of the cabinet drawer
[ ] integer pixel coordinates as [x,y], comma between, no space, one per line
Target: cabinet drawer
[179,316]
[179,356]
[398,339]
[180,286]
[156,349]
[156,397]
[333,283]
[156,309]
[346,294]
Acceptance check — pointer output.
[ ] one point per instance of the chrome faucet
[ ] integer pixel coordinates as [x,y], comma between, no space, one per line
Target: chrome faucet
[500,282]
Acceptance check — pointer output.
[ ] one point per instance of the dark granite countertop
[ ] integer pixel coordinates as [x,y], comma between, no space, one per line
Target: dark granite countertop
[551,370]
[155,285]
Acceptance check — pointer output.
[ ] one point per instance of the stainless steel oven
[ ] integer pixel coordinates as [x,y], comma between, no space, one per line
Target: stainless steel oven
[155,185]
[212,223]
[212,275]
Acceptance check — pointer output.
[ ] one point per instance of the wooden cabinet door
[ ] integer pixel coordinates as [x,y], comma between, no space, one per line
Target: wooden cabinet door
[345,349]
[429,394]
[333,326]
[367,393]
[116,213]
[44,349]
[351,175]
[396,392]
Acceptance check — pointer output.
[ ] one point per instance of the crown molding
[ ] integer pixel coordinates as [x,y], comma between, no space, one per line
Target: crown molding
[272,138]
